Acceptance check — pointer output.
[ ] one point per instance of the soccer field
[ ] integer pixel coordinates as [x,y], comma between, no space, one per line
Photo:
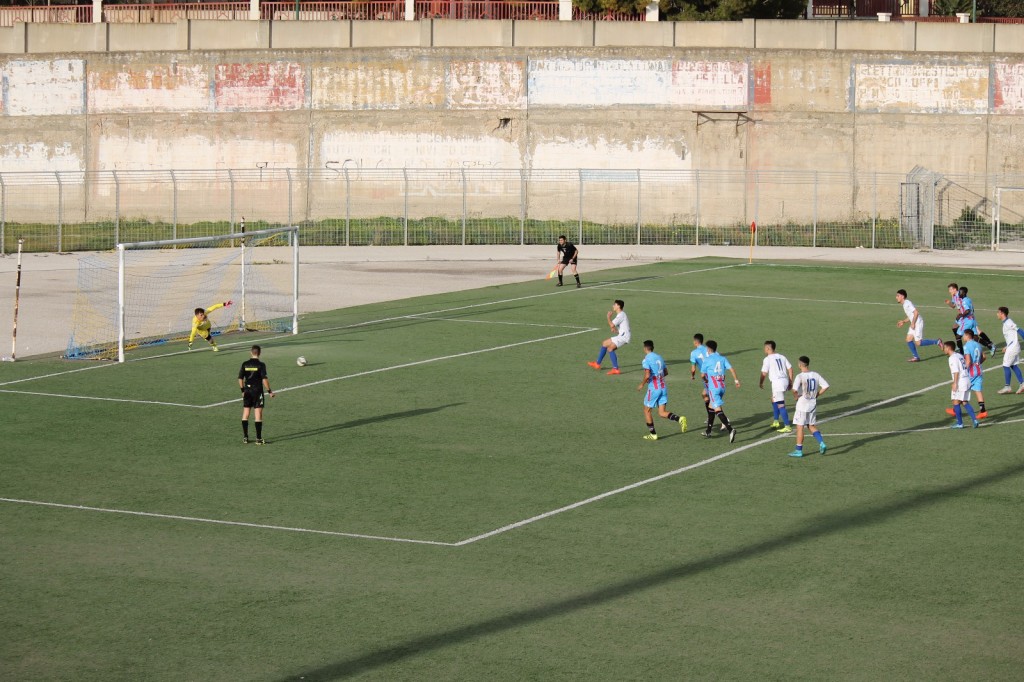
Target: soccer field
[449,492]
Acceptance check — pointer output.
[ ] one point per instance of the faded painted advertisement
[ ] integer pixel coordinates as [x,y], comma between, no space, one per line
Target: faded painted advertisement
[171,88]
[413,84]
[45,87]
[260,86]
[1008,97]
[356,150]
[921,88]
[654,82]
[486,85]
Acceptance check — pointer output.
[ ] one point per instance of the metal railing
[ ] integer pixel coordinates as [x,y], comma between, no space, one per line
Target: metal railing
[67,211]
[57,14]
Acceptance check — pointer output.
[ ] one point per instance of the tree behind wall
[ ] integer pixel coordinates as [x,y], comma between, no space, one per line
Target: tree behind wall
[733,10]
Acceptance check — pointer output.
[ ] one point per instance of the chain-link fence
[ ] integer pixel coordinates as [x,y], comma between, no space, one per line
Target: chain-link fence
[72,211]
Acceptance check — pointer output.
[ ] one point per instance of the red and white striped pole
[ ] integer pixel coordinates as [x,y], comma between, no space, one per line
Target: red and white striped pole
[17,296]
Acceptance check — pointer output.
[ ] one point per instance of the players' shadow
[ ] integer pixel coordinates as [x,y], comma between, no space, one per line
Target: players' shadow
[815,528]
[365,421]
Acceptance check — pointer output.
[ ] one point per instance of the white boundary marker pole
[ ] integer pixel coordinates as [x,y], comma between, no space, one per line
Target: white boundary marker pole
[120,303]
[295,281]
[17,298]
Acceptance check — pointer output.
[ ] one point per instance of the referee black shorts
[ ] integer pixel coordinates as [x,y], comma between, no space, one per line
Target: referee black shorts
[252,398]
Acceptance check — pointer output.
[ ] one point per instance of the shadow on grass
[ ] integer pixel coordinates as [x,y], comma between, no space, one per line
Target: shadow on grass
[365,421]
[817,527]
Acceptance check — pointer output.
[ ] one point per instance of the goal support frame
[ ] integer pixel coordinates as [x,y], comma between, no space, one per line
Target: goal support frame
[293,239]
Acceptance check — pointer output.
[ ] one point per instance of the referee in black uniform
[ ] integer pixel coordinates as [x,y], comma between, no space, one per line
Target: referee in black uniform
[252,379]
[568,254]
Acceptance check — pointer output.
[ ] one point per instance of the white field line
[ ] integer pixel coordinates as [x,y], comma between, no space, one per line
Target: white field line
[681,470]
[178,517]
[781,298]
[92,397]
[965,273]
[286,336]
[512,324]
[985,424]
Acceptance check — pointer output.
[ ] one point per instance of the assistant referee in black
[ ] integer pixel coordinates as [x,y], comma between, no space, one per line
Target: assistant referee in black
[568,254]
[252,379]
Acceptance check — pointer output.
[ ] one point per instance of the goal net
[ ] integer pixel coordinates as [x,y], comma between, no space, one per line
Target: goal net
[1008,223]
[144,293]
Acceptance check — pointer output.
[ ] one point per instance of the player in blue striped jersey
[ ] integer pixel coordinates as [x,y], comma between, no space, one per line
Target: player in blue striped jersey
[655,371]
[714,367]
[697,356]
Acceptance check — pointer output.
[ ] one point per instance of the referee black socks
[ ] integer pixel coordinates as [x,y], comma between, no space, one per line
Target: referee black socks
[245,427]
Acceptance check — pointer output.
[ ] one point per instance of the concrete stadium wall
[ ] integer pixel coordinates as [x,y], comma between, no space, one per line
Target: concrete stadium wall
[288,34]
[602,109]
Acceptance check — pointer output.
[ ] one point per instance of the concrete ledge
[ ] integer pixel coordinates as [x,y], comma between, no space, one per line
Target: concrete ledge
[388,33]
[310,35]
[471,33]
[147,37]
[228,35]
[714,33]
[12,40]
[868,36]
[1009,38]
[955,37]
[633,34]
[45,38]
[795,35]
[553,33]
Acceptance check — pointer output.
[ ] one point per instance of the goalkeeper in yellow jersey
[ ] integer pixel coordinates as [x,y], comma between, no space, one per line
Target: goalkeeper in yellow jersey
[201,324]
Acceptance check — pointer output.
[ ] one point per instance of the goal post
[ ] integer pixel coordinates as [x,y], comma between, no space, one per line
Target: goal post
[1008,219]
[144,293]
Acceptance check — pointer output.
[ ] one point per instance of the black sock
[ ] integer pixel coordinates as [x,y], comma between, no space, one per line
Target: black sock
[559,278]
[672,416]
[259,429]
[711,418]
[245,428]
[725,420]
[650,427]
[981,406]
[577,278]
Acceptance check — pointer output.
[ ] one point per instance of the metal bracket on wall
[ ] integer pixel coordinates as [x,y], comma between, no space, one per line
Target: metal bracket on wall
[740,117]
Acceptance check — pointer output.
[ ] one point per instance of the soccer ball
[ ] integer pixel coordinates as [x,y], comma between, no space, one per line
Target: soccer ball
[300,361]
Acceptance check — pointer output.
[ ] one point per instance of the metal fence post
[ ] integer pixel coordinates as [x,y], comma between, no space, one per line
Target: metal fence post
[874,206]
[463,206]
[3,214]
[117,209]
[405,208]
[174,206]
[522,206]
[814,218]
[231,202]
[696,232]
[580,174]
[60,212]
[348,208]
[638,209]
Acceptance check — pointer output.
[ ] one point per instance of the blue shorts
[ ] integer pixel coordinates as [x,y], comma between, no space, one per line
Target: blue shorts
[976,382]
[655,397]
[717,396]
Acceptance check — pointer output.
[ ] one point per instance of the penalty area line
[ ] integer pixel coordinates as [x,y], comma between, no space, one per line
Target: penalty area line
[222,522]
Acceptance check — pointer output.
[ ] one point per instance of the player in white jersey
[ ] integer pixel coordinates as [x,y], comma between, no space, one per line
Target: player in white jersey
[808,386]
[915,337]
[1011,354]
[779,372]
[960,391]
[620,337]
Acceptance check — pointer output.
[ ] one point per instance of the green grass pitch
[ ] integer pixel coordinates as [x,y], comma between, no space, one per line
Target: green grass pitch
[513,529]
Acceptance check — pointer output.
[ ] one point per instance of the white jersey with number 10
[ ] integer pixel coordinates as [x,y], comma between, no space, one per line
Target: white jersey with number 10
[807,385]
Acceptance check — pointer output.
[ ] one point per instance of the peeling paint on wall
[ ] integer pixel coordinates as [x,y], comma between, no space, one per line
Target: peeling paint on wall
[50,87]
[486,85]
[600,153]
[1008,95]
[412,84]
[149,87]
[262,86]
[38,157]
[921,88]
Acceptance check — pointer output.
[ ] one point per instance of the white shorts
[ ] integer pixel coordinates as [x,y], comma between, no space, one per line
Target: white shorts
[963,395]
[802,418]
[779,391]
[620,340]
[917,331]
[1011,358]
